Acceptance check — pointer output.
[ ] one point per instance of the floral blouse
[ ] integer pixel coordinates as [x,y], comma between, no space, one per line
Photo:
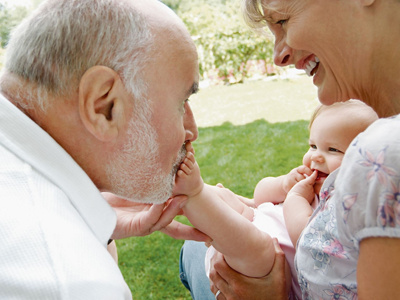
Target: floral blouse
[360,200]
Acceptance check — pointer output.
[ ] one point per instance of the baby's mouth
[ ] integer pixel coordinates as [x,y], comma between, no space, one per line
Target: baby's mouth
[312,66]
[321,176]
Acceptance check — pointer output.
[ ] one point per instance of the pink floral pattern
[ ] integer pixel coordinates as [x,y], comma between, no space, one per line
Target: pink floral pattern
[389,209]
[377,167]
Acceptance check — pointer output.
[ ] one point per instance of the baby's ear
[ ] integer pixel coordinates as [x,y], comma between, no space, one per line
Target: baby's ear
[102,100]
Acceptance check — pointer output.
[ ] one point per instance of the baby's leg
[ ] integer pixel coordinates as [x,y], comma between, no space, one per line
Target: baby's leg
[234,202]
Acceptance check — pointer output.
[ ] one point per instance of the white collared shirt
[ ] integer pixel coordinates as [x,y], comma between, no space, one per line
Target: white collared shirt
[54,223]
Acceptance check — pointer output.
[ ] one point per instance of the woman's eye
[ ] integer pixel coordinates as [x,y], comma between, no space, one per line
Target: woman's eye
[281,22]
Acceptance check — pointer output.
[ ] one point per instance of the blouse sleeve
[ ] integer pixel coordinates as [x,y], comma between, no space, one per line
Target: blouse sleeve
[367,187]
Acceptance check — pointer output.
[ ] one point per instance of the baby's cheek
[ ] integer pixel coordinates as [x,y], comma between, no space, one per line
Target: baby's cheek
[336,164]
[307,159]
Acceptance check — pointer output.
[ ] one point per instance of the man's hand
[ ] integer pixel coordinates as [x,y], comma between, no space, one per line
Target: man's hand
[235,286]
[139,219]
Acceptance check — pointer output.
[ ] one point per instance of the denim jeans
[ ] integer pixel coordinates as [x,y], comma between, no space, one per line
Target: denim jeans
[192,271]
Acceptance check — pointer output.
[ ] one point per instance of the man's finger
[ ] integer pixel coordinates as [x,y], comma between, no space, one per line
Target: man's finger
[172,209]
[152,217]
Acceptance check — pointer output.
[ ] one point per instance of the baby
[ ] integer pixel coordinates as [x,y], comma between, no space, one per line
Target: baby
[243,234]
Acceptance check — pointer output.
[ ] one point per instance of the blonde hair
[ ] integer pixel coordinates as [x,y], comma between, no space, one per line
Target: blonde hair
[253,14]
[361,113]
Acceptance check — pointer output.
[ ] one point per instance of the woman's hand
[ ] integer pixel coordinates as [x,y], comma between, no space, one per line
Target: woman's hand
[235,286]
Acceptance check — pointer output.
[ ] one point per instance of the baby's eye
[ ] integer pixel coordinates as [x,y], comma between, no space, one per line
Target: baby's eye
[313,147]
[335,150]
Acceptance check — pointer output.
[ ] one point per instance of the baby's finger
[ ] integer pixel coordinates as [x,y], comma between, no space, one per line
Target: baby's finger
[305,171]
[311,179]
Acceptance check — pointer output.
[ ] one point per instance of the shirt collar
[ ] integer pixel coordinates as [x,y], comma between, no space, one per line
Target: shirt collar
[31,143]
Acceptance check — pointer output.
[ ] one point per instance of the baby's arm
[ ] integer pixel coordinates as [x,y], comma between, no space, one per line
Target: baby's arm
[246,249]
[297,209]
[275,189]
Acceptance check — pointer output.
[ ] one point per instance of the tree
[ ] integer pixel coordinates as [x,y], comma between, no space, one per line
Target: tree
[225,44]
[9,18]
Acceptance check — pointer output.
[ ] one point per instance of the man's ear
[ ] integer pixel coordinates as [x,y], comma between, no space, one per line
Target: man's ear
[102,100]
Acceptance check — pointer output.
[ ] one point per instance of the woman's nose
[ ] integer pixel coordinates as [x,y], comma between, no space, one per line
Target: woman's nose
[283,54]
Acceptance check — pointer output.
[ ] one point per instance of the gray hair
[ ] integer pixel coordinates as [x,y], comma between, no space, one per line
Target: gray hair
[62,39]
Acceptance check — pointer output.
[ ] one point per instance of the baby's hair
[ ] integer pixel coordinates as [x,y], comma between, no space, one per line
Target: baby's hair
[314,115]
[362,112]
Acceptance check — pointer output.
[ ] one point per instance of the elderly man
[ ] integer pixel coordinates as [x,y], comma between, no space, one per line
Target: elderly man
[93,99]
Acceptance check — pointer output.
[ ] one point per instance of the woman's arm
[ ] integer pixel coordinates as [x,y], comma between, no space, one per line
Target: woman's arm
[378,268]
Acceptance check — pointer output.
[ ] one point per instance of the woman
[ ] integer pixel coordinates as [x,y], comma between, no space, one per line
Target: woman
[350,48]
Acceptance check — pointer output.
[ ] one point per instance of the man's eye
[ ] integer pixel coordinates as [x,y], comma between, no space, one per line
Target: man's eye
[184,104]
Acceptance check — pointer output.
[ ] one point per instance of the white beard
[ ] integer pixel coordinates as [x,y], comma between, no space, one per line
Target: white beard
[136,172]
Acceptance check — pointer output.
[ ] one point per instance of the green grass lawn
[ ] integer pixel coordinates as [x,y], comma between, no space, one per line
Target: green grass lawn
[237,156]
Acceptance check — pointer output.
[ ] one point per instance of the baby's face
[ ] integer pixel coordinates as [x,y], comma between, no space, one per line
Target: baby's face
[329,139]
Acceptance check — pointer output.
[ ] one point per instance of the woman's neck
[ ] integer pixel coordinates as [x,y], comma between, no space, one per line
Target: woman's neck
[383,91]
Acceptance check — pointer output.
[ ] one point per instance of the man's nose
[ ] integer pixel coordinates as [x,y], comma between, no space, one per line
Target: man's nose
[190,124]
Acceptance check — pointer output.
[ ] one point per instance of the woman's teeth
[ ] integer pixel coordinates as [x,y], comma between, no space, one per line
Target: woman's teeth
[311,66]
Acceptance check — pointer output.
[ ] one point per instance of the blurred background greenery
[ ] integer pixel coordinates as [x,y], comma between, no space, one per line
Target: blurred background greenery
[252,121]
[228,51]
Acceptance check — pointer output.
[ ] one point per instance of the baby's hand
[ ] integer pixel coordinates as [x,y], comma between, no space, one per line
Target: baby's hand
[294,176]
[305,188]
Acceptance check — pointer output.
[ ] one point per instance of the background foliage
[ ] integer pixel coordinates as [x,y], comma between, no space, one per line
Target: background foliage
[10,16]
[229,52]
